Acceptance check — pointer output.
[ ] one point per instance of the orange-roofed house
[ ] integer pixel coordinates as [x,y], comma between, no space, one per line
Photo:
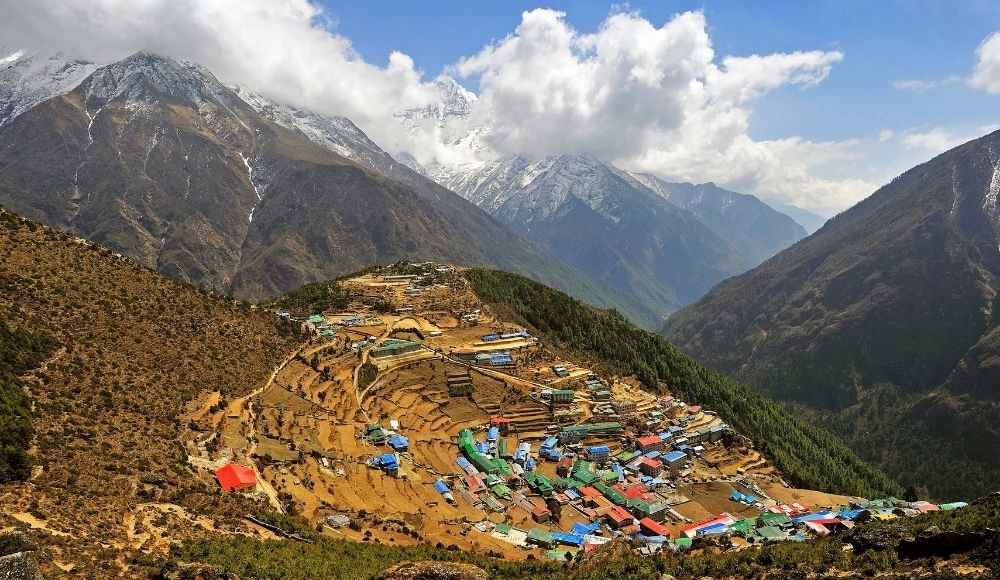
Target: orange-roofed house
[540,513]
[654,528]
[651,467]
[618,517]
[235,477]
[649,443]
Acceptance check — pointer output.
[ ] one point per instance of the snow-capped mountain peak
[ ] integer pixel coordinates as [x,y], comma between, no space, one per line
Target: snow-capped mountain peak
[27,79]
[144,77]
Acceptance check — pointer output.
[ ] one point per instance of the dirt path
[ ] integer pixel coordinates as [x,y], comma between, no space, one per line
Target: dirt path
[236,406]
[357,371]
[37,523]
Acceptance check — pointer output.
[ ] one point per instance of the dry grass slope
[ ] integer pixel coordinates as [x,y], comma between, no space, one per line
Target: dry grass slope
[132,346]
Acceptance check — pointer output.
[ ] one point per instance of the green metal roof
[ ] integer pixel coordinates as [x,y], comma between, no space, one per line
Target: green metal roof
[771,533]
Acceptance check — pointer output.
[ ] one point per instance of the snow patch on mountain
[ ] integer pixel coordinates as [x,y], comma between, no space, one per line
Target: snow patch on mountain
[145,77]
[990,199]
[520,189]
[28,79]
[338,134]
[452,119]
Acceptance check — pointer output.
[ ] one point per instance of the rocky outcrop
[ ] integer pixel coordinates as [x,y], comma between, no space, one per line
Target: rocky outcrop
[429,570]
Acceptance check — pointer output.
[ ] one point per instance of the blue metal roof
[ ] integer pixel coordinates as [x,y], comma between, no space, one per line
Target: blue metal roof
[585,529]
[675,456]
[441,486]
[817,516]
[719,528]
[599,449]
[569,539]
[462,462]
[550,442]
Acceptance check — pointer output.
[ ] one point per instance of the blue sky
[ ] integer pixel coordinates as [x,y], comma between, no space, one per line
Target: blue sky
[882,43]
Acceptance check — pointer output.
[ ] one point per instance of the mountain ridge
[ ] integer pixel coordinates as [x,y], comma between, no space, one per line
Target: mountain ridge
[638,238]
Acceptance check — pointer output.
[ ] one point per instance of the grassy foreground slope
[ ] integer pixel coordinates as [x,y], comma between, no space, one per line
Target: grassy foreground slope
[808,455]
[129,348]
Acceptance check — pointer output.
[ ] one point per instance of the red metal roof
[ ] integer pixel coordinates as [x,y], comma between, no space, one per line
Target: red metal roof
[655,528]
[499,420]
[539,510]
[589,491]
[650,440]
[235,476]
[619,514]
[651,462]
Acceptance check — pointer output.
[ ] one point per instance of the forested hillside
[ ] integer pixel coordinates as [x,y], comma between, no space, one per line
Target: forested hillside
[20,351]
[808,455]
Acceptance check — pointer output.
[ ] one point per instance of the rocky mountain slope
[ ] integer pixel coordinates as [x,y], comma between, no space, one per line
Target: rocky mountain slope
[225,190]
[882,323]
[756,230]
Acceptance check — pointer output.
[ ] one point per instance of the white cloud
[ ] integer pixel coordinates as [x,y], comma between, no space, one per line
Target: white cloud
[936,140]
[986,75]
[884,135]
[918,86]
[655,98]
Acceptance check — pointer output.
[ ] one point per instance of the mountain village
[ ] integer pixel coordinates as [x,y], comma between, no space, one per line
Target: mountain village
[435,421]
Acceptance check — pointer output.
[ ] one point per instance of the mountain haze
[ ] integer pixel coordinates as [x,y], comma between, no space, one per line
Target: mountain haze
[883,322]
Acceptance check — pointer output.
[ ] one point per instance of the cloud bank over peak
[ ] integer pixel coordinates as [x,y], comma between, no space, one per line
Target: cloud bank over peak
[652,99]
[644,96]
[986,75]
